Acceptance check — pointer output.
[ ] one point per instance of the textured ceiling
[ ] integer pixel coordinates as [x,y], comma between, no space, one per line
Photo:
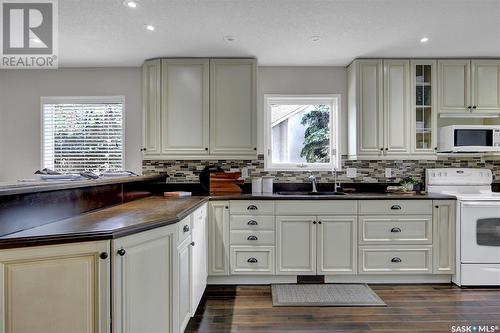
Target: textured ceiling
[277,32]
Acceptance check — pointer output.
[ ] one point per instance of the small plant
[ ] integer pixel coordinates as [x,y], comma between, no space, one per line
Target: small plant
[409,183]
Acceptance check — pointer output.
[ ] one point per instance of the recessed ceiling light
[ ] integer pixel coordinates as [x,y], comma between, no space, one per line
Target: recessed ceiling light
[150,27]
[315,38]
[424,40]
[130,3]
[229,38]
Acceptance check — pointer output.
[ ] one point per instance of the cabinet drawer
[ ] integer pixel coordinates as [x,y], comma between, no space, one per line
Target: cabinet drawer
[408,229]
[252,207]
[252,260]
[252,222]
[395,207]
[401,259]
[184,228]
[251,237]
[316,207]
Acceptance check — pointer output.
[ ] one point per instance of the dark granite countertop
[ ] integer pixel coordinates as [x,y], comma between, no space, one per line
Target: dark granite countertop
[108,223]
[152,212]
[349,196]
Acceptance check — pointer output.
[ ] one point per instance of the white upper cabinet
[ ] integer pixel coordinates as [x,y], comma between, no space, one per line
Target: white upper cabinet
[423,107]
[486,85]
[365,107]
[396,107]
[199,108]
[151,92]
[469,86]
[454,85]
[379,109]
[185,106]
[232,106]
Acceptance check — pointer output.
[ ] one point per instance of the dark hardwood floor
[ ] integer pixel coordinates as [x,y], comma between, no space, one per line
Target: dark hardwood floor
[410,308]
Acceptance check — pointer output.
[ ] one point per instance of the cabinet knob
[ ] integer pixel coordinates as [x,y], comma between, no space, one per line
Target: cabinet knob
[186,228]
[469,107]
[395,207]
[252,260]
[381,149]
[474,107]
[436,206]
[395,229]
[252,207]
[227,207]
[121,252]
[252,238]
[314,222]
[386,149]
[143,149]
[252,222]
[319,222]
[396,259]
[206,148]
[192,243]
[103,255]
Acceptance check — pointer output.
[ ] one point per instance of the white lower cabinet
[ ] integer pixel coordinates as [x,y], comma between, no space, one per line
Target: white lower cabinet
[310,245]
[199,262]
[143,281]
[218,235]
[252,260]
[409,259]
[55,288]
[444,236]
[336,245]
[296,245]
[182,290]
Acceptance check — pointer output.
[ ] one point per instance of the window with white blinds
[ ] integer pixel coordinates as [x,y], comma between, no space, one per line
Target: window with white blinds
[82,133]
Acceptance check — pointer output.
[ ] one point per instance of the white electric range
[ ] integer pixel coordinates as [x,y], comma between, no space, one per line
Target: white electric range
[478,223]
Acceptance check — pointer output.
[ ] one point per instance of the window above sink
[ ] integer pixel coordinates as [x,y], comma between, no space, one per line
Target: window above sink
[301,132]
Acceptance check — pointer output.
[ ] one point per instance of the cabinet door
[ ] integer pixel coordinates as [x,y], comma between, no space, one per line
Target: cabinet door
[370,98]
[200,257]
[396,107]
[443,216]
[218,238]
[182,299]
[454,86]
[337,245]
[423,107]
[151,99]
[232,107]
[486,85]
[142,282]
[296,245]
[185,106]
[56,288]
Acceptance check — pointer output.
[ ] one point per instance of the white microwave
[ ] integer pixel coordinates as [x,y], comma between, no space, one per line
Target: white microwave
[469,139]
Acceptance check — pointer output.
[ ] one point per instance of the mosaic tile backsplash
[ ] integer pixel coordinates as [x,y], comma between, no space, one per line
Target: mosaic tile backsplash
[188,171]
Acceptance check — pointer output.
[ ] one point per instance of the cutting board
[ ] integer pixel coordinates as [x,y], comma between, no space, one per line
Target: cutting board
[225,182]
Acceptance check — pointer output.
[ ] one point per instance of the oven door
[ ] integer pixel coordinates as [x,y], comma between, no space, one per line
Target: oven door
[480,231]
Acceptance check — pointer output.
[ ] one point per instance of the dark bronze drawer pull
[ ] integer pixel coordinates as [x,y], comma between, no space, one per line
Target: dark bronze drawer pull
[396,259]
[252,207]
[395,229]
[396,207]
[252,260]
[252,222]
[186,228]
[252,238]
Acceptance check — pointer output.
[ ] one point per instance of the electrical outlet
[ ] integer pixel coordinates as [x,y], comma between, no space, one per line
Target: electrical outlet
[244,172]
[351,172]
[388,173]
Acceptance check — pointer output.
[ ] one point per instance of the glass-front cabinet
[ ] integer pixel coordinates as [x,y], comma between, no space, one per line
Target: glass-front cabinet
[423,78]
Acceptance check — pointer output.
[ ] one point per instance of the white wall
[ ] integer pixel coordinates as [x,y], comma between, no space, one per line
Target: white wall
[20,92]
[301,80]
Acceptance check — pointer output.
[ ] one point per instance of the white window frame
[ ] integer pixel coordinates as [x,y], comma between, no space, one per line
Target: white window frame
[82,100]
[329,99]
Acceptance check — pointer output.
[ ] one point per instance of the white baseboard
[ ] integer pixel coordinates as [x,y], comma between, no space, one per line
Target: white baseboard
[373,279]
